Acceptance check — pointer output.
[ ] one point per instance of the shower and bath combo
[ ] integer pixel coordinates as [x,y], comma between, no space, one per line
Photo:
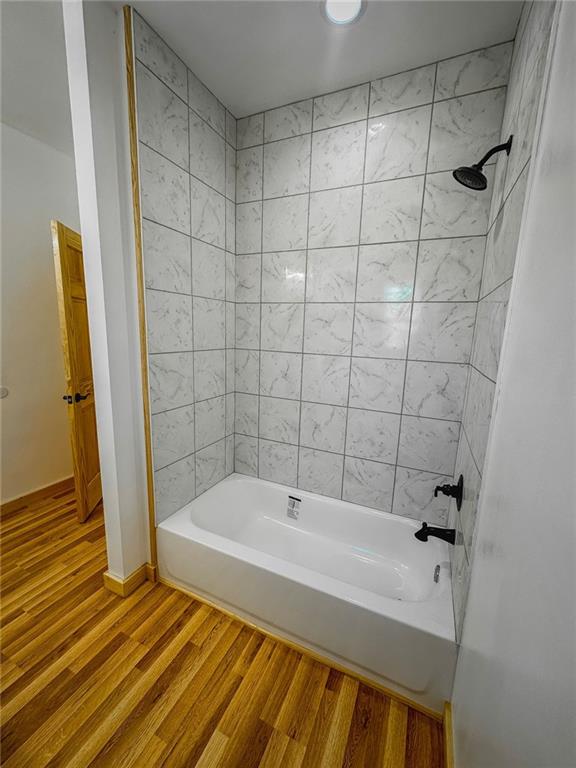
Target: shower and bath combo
[472,176]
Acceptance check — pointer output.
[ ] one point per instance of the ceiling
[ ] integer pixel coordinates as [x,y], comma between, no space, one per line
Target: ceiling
[34,77]
[258,54]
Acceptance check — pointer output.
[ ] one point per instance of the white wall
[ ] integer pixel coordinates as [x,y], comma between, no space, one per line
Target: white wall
[515,690]
[38,184]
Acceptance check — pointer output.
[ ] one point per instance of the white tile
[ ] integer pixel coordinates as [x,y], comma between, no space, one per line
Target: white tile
[292,120]
[320,472]
[210,466]
[489,330]
[168,321]
[284,226]
[381,330]
[207,214]
[435,390]
[428,444]
[209,323]
[368,483]
[250,131]
[475,71]
[208,270]
[229,456]
[464,129]
[246,408]
[248,277]
[173,487]
[328,328]
[153,51]
[280,374]
[331,274]
[249,174]
[207,154]
[282,327]
[205,104]
[246,455]
[230,320]
[230,173]
[247,370]
[325,379]
[442,331]
[248,326]
[230,226]
[391,210]
[376,384]
[386,272]
[478,413]
[278,462]
[287,167]
[341,107]
[452,210]
[162,117]
[466,467]
[166,258]
[283,276]
[172,435]
[414,496]
[397,144]
[323,427]
[230,276]
[209,373]
[372,435]
[338,156]
[279,419]
[230,369]
[407,89]
[164,190]
[335,217]
[210,420]
[449,270]
[230,129]
[171,380]
[249,228]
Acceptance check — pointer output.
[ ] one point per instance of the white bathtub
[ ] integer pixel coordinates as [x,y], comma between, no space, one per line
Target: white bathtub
[343,580]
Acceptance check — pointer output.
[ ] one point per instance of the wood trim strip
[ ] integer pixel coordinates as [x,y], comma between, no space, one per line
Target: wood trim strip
[448,736]
[306,651]
[135,181]
[125,587]
[60,486]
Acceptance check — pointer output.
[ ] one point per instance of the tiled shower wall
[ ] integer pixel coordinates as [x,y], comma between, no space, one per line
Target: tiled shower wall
[187,178]
[528,63]
[358,272]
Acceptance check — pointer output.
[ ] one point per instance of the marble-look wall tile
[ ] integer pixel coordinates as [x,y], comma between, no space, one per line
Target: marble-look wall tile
[428,444]
[247,370]
[451,210]
[249,174]
[328,328]
[466,467]
[381,330]
[325,379]
[171,380]
[320,472]
[460,579]
[248,277]
[208,270]
[230,228]
[209,373]
[164,191]
[205,104]
[284,227]
[490,322]
[372,435]
[323,427]
[334,217]
[246,409]
[207,154]
[210,466]
[376,384]
[341,107]
[391,210]
[248,228]
[331,274]
[230,322]
[248,326]
[292,120]
[475,71]
[209,323]
[246,455]
[169,321]
[162,117]
[172,435]
[250,131]
[282,326]
[407,89]
[231,129]
[414,496]
[229,455]
[283,276]
[287,167]
[278,462]
[338,156]
[166,258]
[465,128]
[207,214]
[449,270]
[368,483]
[174,486]
[280,374]
[397,144]
[435,390]
[442,331]
[386,272]
[157,56]
[230,173]
[477,414]
[230,281]
[279,419]
[210,421]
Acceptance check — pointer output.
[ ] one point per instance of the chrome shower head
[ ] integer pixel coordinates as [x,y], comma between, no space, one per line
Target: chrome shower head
[472,176]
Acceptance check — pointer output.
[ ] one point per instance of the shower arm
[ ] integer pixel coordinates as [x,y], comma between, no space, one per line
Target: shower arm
[500,148]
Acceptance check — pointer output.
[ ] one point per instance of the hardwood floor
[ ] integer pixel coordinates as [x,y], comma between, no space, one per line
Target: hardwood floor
[158,679]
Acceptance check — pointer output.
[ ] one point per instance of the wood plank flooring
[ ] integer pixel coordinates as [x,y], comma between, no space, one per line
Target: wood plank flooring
[158,679]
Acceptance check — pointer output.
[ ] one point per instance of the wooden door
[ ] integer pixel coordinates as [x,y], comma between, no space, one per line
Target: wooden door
[75,338]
